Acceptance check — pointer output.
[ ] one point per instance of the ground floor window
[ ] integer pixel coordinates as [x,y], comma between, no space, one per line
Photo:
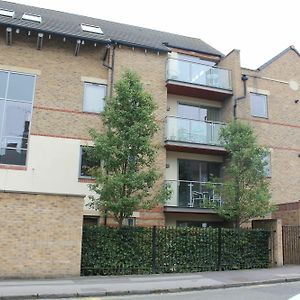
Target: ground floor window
[91,220]
[201,224]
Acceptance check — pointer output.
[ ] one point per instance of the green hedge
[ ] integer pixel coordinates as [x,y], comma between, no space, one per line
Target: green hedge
[137,250]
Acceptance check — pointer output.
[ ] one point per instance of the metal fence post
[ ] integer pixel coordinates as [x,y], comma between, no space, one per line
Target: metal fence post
[154,249]
[219,249]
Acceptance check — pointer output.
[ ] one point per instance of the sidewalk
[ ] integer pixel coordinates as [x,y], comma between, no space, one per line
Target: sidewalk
[146,284]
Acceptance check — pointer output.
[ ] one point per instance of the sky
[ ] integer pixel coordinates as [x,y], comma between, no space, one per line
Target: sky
[260,29]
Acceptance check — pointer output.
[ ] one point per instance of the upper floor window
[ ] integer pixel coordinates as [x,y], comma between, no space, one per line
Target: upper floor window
[16,98]
[267,165]
[259,105]
[94,95]
[86,164]
[201,113]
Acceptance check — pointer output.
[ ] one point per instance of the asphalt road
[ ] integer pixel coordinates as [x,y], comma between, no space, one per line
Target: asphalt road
[281,291]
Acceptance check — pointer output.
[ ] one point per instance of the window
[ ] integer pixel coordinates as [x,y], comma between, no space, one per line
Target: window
[90,220]
[94,95]
[85,163]
[91,28]
[32,17]
[16,98]
[267,165]
[259,107]
[7,13]
[201,113]
[131,222]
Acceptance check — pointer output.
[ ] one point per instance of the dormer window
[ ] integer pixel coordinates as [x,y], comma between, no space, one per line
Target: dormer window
[32,17]
[91,28]
[7,13]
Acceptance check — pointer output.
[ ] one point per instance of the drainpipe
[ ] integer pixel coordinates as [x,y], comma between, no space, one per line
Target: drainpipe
[111,67]
[244,79]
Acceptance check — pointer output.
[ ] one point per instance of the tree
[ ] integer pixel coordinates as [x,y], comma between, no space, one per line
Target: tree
[124,155]
[246,189]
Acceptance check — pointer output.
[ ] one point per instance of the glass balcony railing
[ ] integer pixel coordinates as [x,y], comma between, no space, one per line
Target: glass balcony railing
[194,194]
[198,74]
[193,131]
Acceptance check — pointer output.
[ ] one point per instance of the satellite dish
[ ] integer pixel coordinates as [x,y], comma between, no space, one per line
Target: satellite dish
[294,85]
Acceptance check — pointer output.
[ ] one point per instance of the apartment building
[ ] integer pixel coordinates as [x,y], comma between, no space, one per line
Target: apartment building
[55,70]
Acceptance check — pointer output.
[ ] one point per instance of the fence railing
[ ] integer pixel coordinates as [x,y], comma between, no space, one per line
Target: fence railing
[193,131]
[136,250]
[199,74]
[194,194]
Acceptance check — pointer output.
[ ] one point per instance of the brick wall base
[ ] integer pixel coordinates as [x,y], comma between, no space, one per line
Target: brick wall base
[40,235]
[289,213]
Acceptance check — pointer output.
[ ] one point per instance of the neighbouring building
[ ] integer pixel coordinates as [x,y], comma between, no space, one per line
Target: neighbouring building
[55,70]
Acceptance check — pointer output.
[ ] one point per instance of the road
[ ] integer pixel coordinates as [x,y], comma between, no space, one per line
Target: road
[281,291]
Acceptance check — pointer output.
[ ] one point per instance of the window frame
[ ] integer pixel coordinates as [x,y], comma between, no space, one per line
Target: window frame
[5,100]
[266,104]
[268,167]
[80,163]
[7,13]
[85,27]
[88,83]
[32,17]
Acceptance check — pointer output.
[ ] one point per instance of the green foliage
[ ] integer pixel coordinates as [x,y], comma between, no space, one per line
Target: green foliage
[125,174]
[134,250]
[246,190]
[116,251]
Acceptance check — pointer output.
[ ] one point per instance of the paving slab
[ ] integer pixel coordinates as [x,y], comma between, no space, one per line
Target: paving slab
[143,284]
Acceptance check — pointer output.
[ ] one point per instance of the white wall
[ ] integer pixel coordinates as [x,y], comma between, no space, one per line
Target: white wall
[52,167]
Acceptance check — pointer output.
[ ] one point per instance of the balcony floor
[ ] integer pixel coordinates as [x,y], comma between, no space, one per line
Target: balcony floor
[194,210]
[198,91]
[195,148]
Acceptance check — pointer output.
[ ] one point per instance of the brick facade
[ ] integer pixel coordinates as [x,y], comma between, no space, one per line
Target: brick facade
[41,232]
[40,235]
[289,213]
[280,131]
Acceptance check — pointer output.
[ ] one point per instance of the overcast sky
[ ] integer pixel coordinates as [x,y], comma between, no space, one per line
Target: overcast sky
[259,28]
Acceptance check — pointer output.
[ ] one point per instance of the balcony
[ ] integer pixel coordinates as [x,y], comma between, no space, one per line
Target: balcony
[193,134]
[193,196]
[198,80]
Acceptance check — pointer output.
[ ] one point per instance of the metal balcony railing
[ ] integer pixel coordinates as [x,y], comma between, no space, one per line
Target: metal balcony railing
[198,74]
[194,194]
[193,131]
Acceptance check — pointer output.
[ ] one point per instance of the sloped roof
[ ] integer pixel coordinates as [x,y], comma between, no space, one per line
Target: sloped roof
[278,56]
[67,24]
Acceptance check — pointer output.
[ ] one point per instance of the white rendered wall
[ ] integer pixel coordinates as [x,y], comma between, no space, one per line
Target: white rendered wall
[52,167]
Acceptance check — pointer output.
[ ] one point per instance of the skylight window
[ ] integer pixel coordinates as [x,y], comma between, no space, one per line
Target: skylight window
[7,13]
[31,17]
[91,28]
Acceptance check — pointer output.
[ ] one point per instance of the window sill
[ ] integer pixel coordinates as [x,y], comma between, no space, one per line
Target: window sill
[92,113]
[86,180]
[13,167]
[260,117]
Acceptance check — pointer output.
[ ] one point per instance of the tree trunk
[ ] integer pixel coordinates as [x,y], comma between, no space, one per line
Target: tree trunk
[120,222]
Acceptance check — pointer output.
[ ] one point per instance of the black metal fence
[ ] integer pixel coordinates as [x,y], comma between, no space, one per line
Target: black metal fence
[137,250]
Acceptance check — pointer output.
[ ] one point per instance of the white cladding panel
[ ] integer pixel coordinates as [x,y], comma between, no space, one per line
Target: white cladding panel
[52,167]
